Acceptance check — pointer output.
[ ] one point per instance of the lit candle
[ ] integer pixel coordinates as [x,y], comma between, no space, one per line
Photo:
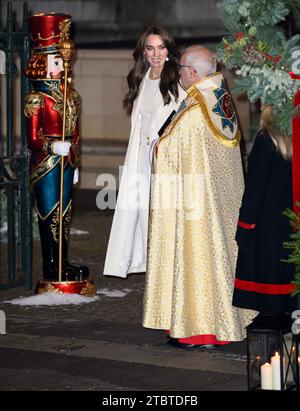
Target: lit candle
[266,376]
[276,376]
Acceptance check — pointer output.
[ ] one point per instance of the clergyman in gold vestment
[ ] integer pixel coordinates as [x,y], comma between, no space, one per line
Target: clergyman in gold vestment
[196,192]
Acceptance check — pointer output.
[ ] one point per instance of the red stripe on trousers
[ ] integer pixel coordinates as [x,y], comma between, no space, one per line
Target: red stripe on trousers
[245,225]
[262,288]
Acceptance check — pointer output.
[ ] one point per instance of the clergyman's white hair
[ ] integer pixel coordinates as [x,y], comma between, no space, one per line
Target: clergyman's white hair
[201,60]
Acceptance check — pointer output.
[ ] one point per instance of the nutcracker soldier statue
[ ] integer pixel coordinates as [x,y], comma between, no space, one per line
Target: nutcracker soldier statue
[52,109]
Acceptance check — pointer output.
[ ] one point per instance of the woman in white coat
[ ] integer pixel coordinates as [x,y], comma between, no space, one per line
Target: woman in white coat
[154,93]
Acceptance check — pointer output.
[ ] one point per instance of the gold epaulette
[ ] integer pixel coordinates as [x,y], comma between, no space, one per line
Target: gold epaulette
[33,102]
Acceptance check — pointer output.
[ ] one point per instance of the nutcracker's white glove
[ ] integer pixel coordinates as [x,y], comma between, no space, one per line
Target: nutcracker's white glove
[76,176]
[61,148]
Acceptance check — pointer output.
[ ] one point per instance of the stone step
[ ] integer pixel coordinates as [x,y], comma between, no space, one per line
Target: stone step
[127,353]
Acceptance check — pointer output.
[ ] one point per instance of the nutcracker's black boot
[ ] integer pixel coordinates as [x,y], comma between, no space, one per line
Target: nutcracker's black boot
[79,272]
[50,249]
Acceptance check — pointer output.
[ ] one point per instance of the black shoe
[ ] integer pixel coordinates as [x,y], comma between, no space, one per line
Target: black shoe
[175,343]
[209,346]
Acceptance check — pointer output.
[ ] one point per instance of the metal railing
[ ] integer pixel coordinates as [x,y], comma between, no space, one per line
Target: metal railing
[16,215]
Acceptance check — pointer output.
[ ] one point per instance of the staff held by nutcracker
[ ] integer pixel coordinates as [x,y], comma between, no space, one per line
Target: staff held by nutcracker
[66,52]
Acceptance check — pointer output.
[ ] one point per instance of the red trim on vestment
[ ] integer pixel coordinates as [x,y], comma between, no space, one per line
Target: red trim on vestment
[200,339]
[245,225]
[262,288]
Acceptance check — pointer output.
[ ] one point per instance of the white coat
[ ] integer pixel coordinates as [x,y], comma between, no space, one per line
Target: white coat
[127,246]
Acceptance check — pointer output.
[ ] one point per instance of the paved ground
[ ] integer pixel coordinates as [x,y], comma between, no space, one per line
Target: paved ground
[102,345]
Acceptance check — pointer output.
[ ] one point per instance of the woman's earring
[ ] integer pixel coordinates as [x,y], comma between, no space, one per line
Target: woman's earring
[167,58]
[144,59]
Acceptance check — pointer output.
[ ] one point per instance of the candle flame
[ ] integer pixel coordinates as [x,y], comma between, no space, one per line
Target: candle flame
[276,354]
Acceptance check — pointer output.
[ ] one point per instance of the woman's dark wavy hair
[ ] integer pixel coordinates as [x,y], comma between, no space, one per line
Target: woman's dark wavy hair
[170,74]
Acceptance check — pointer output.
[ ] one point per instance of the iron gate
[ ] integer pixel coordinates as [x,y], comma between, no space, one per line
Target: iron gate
[16,210]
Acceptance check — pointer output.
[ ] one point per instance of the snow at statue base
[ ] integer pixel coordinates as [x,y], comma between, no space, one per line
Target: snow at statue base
[50,298]
[113,293]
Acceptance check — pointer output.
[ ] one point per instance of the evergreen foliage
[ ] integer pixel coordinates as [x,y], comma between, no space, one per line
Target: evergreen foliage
[261,55]
[294,246]
[259,52]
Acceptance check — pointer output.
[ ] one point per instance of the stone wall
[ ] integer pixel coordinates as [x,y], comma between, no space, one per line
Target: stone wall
[105,32]
[100,78]
[109,23]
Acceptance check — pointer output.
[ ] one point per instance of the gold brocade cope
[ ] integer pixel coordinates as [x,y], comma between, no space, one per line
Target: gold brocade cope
[196,194]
